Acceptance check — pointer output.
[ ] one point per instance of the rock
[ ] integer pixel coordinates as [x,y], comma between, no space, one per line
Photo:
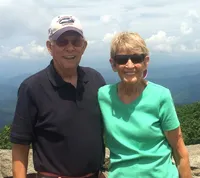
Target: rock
[194,153]
[6,164]
[194,156]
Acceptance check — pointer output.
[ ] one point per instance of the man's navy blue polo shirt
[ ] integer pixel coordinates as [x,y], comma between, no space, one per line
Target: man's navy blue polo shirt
[62,122]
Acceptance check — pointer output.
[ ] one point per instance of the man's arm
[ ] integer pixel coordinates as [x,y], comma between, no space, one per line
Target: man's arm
[19,160]
[180,152]
[22,133]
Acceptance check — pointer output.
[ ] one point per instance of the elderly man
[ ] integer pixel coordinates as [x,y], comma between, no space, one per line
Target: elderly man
[57,111]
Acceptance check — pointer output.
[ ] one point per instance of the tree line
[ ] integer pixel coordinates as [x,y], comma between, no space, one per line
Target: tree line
[189,117]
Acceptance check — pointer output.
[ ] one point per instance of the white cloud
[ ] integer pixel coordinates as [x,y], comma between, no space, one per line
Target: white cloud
[193,14]
[37,49]
[184,48]
[106,18]
[185,29]
[108,36]
[195,47]
[100,23]
[161,42]
[18,52]
[90,42]
[33,50]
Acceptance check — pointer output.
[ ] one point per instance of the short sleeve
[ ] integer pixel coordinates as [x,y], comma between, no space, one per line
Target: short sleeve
[25,113]
[101,79]
[167,112]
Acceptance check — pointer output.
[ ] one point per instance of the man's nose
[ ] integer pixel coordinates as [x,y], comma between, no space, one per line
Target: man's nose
[69,46]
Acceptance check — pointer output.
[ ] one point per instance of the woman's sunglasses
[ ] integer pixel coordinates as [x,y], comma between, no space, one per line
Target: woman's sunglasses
[135,58]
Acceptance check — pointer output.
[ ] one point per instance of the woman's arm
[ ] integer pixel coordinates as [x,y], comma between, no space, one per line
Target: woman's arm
[19,160]
[180,152]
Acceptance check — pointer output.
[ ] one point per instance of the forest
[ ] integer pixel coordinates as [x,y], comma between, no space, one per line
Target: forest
[189,116]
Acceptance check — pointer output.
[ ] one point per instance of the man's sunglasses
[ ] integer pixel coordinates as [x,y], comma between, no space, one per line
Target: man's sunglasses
[135,58]
[78,42]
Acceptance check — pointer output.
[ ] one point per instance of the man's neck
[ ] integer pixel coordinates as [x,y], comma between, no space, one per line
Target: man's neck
[69,75]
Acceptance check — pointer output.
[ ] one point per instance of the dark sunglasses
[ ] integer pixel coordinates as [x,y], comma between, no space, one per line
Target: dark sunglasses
[77,42]
[135,58]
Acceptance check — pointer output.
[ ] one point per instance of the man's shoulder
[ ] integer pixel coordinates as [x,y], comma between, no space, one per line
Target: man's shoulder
[89,70]
[34,78]
[93,74]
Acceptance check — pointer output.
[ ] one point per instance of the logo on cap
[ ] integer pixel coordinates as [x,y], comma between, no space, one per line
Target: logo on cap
[66,20]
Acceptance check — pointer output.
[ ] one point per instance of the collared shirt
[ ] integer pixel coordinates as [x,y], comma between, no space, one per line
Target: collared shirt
[63,123]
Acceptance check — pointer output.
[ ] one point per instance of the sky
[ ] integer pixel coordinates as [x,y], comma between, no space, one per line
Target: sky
[170,28]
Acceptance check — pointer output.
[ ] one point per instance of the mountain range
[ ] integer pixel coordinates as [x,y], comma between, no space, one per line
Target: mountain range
[184,86]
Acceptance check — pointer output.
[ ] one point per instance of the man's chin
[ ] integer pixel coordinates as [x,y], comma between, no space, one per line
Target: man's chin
[70,65]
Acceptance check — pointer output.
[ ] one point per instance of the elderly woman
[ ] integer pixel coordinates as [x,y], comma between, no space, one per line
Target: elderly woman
[142,130]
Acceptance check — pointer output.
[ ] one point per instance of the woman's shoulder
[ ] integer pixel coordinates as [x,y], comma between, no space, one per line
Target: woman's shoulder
[106,90]
[158,90]
[156,86]
[106,87]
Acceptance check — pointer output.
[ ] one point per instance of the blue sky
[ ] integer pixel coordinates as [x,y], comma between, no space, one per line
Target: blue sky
[170,27]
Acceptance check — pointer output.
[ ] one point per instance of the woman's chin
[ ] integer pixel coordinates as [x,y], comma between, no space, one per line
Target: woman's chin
[130,80]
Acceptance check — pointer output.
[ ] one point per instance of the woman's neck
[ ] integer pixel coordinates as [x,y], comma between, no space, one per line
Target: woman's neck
[129,92]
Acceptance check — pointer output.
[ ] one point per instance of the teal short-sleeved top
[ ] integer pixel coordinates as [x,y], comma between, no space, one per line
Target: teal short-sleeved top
[134,133]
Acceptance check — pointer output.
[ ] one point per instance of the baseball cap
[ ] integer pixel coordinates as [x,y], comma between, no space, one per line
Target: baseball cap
[63,23]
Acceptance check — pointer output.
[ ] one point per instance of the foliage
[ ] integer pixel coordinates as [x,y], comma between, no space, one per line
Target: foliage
[189,116]
[5,138]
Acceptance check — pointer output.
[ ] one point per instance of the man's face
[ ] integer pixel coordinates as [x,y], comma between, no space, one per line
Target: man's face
[67,50]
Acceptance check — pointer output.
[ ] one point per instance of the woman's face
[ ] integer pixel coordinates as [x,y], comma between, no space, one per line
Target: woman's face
[130,66]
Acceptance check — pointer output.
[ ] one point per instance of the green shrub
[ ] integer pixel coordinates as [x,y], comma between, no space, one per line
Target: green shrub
[5,138]
[189,116]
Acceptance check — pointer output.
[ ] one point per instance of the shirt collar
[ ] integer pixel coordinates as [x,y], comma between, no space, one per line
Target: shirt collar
[57,80]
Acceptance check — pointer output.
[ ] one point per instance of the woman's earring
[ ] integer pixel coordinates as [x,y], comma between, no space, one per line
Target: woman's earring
[145,74]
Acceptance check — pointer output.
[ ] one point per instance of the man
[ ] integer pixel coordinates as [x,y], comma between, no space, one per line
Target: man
[58,113]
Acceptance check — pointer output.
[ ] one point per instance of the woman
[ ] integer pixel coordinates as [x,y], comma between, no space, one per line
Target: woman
[142,130]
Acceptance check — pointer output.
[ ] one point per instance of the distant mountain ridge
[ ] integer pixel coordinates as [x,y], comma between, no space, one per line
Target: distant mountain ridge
[184,89]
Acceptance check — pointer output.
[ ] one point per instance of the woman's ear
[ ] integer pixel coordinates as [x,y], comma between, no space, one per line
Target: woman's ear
[49,47]
[146,61]
[113,64]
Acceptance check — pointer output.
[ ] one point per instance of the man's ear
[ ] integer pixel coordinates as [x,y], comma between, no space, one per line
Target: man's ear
[113,64]
[49,47]
[84,46]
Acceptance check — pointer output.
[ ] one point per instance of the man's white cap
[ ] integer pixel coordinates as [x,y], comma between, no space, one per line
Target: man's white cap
[63,23]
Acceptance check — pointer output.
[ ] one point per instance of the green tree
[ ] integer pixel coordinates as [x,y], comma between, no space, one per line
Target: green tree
[189,116]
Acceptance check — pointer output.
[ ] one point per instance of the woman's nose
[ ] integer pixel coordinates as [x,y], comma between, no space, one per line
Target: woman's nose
[130,63]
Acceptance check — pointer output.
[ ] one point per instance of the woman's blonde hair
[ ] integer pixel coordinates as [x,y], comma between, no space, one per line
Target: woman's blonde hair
[128,41]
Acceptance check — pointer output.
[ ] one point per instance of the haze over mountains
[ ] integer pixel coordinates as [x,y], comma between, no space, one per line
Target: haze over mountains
[182,79]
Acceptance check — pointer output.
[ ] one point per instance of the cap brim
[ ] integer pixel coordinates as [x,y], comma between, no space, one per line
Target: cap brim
[56,35]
